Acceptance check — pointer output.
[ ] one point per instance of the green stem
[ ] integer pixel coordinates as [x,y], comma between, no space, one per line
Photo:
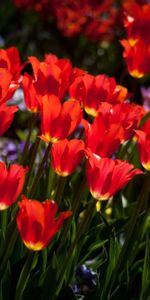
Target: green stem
[26,147]
[77,199]
[8,251]
[44,259]
[4,215]
[85,223]
[75,206]
[51,182]
[39,172]
[60,188]
[24,276]
[124,149]
[31,164]
[129,242]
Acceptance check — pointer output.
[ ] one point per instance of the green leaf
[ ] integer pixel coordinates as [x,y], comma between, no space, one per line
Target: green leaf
[114,251]
[1,294]
[6,282]
[146,269]
[48,284]
[67,293]
[33,290]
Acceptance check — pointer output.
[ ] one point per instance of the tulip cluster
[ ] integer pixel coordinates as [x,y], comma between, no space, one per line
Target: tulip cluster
[87,135]
[13,178]
[137,44]
[60,94]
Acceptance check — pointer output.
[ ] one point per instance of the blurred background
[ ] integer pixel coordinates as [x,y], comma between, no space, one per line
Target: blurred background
[88,32]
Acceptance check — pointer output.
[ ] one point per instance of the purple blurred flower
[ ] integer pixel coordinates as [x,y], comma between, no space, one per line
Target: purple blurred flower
[8,150]
[76,289]
[86,274]
[145,91]
[86,280]
[18,99]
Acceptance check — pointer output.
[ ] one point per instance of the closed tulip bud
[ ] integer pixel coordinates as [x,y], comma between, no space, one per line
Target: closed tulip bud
[66,156]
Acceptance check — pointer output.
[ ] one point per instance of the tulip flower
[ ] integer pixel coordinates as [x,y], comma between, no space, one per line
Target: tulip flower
[127,115]
[102,136]
[30,96]
[66,72]
[92,91]
[10,60]
[146,127]
[137,57]
[137,22]
[37,223]
[7,87]
[51,77]
[66,156]
[105,176]
[11,184]
[144,148]
[6,117]
[59,121]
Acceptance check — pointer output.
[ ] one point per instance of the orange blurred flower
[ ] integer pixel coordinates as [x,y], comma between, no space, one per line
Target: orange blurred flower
[137,22]
[137,57]
[137,45]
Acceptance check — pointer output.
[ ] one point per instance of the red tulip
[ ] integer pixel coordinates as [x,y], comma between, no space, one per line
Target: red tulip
[92,91]
[59,121]
[30,95]
[66,72]
[10,60]
[137,22]
[137,57]
[66,156]
[144,148]
[7,87]
[127,115]
[6,116]
[106,176]
[146,127]
[51,77]
[11,184]
[103,137]
[37,223]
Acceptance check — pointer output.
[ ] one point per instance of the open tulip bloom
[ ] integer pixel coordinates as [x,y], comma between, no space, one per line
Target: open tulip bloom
[11,184]
[74,199]
[36,222]
[106,176]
